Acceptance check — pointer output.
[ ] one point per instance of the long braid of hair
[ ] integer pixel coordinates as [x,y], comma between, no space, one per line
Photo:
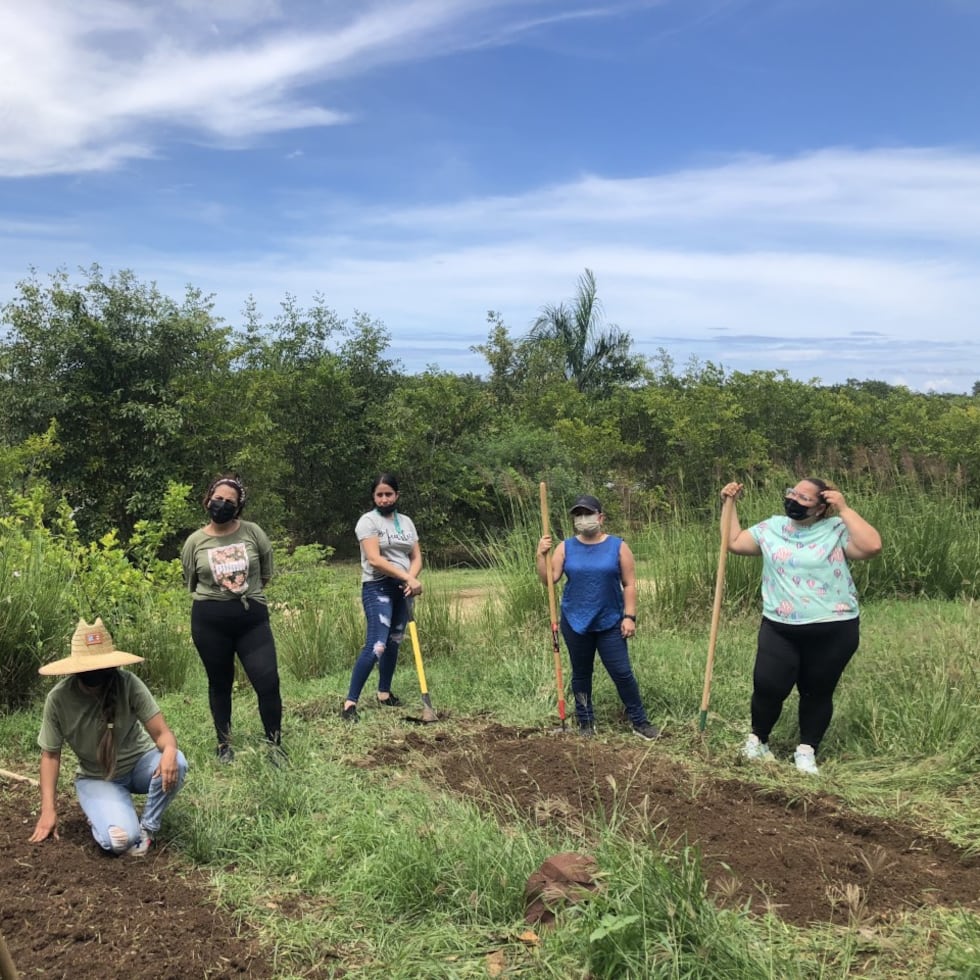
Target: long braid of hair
[107,744]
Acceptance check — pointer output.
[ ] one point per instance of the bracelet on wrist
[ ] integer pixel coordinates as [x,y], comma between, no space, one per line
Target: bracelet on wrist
[629,616]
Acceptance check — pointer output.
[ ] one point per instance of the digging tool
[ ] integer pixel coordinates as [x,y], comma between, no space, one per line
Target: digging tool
[726,524]
[553,607]
[428,712]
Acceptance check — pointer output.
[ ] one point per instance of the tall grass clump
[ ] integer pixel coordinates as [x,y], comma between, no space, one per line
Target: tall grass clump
[931,545]
[520,598]
[317,640]
[652,918]
[911,693]
[677,566]
[158,630]
[35,617]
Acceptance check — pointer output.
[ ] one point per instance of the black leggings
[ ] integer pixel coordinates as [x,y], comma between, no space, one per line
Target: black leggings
[222,629]
[812,657]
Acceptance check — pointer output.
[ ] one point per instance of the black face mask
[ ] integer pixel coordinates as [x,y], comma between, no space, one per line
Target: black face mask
[222,511]
[386,511]
[795,511]
[97,678]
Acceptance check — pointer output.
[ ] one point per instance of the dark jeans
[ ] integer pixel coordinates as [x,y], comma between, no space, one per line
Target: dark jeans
[386,612]
[613,652]
[812,657]
[222,629]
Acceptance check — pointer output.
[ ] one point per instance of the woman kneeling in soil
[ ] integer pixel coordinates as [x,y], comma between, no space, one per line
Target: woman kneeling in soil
[810,627]
[113,725]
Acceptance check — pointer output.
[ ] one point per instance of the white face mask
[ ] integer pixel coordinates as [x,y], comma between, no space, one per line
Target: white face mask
[587,524]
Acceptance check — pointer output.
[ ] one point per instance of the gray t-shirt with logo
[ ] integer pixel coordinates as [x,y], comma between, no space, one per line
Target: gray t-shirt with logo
[397,539]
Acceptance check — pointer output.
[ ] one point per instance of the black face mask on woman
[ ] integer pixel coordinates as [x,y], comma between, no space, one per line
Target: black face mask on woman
[795,511]
[222,511]
[385,510]
[97,678]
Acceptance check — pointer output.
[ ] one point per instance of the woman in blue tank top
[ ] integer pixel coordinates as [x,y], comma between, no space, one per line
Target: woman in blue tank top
[598,611]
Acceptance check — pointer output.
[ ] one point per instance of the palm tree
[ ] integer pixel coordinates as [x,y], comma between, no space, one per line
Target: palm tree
[595,359]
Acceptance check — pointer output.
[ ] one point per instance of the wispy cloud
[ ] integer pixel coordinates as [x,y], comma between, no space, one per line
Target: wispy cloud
[86,87]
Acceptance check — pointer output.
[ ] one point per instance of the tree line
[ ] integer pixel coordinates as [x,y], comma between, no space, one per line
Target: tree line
[111,393]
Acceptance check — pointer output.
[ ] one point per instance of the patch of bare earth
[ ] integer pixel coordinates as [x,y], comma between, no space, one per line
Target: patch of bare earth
[801,856]
[69,911]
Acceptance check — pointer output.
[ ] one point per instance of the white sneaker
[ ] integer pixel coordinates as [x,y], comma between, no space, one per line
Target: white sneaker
[756,750]
[805,760]
[142,846]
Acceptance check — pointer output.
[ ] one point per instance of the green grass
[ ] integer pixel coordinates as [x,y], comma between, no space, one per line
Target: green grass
[378,873]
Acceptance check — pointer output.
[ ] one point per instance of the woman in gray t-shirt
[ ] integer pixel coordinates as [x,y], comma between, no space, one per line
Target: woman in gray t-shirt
[391,561]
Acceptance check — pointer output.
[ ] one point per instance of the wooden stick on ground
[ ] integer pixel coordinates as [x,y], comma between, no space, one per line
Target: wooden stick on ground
[7,774]
[7,969]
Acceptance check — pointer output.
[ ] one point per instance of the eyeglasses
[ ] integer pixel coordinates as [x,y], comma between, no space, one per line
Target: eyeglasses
[801,497]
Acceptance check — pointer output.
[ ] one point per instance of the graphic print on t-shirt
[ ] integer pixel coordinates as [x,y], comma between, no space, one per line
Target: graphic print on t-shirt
[229,567]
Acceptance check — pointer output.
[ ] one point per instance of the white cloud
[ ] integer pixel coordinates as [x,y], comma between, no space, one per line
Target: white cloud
[875,270]
[86,87]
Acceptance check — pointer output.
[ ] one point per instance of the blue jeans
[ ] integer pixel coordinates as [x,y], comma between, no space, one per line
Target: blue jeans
[386,612]
[109,802]
[612,650]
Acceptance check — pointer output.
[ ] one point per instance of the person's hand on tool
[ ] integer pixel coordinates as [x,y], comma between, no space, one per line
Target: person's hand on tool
[412,587]
[544,545]
[733,490]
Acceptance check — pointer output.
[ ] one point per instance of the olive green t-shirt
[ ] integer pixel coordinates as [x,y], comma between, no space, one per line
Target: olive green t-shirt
[229,566]
[73,716]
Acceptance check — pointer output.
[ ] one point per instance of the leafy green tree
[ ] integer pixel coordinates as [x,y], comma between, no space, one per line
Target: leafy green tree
[108,361]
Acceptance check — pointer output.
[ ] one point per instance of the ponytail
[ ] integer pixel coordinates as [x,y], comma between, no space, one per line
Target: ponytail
[107,744]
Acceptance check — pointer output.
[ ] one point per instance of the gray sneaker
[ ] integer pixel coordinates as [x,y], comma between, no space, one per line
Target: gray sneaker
[647,732]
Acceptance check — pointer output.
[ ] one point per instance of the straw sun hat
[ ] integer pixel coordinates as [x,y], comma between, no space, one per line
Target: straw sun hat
[91,649]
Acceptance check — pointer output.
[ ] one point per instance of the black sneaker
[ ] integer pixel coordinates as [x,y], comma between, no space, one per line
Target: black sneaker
[277,755]
[226,753]
[390,702]
[349,714]
[648,732]
[586,730]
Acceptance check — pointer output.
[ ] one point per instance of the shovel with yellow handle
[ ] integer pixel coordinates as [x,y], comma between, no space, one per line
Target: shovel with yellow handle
[428,712]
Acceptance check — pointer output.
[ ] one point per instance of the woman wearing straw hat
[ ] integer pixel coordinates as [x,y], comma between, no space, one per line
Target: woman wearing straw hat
[113,725]
[227,565]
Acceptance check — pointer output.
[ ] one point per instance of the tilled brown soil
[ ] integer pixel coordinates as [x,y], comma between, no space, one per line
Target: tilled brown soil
[68,911]
[794,854]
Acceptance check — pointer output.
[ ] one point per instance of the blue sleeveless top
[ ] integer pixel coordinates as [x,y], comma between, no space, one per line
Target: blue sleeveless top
[592,599]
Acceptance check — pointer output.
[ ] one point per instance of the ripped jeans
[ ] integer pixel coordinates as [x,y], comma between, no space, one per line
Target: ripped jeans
[386,612]
[108,803]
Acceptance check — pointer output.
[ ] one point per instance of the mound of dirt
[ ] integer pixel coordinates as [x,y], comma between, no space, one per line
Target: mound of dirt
[800,855]
[69,911]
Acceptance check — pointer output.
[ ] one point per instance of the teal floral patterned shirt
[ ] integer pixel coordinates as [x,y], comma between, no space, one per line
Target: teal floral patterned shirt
[805,578]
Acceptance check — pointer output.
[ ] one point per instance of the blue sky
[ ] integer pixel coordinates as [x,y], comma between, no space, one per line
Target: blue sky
[766,184]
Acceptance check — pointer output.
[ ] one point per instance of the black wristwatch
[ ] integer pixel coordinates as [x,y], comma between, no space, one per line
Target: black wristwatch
[629,616]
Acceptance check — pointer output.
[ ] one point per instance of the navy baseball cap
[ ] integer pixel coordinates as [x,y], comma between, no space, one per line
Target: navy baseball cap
[587,502]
